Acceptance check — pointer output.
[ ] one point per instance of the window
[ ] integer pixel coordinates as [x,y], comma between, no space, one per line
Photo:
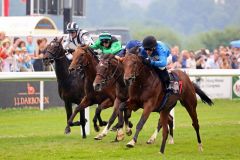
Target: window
[78,7]
[52,7]
[56,7]
[42,6]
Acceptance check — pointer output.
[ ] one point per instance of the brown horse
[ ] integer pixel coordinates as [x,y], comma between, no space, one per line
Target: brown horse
[84,63]
[70,87]
[110,72]
[146,91]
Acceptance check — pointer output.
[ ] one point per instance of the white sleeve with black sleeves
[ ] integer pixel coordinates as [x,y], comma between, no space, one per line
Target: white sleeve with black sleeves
[86,38]
[66,42]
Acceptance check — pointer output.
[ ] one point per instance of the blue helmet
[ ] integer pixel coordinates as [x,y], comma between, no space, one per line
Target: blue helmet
[133,43]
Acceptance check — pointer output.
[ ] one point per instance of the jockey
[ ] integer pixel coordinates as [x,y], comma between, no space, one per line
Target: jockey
[129,45]
[107,43]
[76,37]
[156,54]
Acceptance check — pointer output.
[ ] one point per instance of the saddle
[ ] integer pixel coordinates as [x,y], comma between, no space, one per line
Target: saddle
[175,84]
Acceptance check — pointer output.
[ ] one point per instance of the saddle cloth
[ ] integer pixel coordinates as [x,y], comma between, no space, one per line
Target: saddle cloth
[175,84]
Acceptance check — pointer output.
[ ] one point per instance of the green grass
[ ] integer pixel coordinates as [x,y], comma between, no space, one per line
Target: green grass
[33,134]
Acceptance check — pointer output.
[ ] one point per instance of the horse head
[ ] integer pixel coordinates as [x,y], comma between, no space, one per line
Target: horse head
[106,70]
[81,58]
[54,50]
[132,65]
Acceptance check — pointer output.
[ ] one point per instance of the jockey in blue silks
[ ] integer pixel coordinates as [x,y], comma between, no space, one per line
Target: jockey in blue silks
[155,54]
[129,45]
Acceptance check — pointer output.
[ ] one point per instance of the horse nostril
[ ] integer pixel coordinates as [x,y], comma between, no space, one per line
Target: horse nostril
[96,87]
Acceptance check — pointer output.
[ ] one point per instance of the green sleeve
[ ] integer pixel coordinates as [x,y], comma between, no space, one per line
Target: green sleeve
[115,47]
[96,45]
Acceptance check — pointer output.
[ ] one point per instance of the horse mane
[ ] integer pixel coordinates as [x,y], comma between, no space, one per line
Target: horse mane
[92,52]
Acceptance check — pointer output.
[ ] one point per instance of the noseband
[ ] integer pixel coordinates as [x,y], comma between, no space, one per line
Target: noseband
[108,78]
[53,55]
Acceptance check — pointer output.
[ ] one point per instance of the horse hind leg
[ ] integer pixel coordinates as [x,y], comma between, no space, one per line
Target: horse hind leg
[191,109]
[170,124]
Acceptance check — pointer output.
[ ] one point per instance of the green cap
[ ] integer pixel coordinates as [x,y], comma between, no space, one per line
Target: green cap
[105,36]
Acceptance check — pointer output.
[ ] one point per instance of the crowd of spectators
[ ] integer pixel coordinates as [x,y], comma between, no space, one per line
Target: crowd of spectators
[21,55]
[221,58]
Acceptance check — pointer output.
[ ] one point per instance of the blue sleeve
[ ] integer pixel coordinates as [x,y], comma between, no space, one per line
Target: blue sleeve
[162,62]
[122,53]
[163,53]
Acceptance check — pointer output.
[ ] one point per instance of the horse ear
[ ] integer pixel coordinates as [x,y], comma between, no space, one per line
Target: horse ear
[60,40]
[134,50]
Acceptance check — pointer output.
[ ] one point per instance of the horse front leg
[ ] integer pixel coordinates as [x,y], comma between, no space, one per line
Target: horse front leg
[84,103]
[110,122]
[68,109]
[146,112]
[152,139]
[83,121]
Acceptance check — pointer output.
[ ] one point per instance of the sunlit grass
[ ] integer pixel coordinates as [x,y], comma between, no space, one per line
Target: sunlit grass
[33,134]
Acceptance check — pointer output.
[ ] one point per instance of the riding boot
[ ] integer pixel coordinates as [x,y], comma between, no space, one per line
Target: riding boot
[168,91]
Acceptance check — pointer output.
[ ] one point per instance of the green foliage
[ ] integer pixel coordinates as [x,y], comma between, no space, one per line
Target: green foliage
[215,38]
[161,33]
[34,134]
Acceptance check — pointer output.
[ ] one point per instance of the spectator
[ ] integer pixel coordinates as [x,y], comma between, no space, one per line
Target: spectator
[213,62]
[38,64]
[5,55]
[2,37]
[30,47]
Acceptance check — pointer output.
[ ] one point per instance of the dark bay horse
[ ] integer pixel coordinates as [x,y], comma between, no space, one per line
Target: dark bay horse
[110,72]
[146,91]
[70,87]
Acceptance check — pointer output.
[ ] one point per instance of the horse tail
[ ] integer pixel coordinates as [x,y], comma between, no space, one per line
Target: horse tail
[202,95]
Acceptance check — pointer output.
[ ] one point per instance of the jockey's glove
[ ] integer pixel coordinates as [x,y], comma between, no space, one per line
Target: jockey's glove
[146,61]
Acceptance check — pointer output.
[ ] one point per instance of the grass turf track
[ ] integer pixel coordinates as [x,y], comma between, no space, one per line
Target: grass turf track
[34,134]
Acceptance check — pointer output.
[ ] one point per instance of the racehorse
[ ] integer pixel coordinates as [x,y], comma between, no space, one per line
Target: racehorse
[110,72]
[146,91]
[70,87]
[85,62]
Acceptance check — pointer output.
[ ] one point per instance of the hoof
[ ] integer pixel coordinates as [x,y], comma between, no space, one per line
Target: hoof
[114,129]
[67,130]
[84,136]
[129,132]
[96,128]
[150,141]
[99,137]
[131,144]
[171,141]
[130,125]
[120,135]
[104,123]
[200,148]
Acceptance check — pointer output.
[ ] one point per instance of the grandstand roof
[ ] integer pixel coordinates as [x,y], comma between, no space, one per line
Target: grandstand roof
[26,25]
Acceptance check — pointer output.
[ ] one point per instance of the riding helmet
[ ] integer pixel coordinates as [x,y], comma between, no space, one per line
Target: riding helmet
[72,27]
[105,36]
[149,42]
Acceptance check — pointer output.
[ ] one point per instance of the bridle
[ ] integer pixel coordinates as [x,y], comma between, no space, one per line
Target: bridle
[135,73]
[54,57]
[106,79]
